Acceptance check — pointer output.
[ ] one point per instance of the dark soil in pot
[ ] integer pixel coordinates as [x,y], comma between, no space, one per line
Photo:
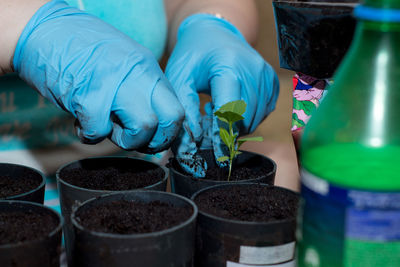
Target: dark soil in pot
[248,167]
[245,223]
[18,182]
[12,186]
[112,178]
[136,228]
[251,203]
[88,178]
[30,235]
[129,217]
[21,226]
[239,173]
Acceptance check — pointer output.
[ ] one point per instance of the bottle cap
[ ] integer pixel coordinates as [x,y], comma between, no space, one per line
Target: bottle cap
[377,14]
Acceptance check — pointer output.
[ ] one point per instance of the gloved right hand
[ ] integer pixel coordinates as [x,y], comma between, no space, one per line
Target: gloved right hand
[112,85]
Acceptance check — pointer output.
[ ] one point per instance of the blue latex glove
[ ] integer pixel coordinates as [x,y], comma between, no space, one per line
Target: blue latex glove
[112,85]
[211,56]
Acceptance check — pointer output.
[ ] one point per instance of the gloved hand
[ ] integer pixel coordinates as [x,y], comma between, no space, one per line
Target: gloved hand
[112,85]
[212,56]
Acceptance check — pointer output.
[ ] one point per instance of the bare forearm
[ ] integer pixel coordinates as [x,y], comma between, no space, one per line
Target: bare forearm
[241,13]
[14,15]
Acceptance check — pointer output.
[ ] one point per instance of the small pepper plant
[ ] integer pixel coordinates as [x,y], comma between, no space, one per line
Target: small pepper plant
[231,113]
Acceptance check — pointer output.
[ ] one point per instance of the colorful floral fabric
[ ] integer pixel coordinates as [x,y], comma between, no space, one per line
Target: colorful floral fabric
[307,95]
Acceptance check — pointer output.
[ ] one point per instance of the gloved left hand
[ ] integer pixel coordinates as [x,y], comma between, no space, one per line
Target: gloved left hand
[212,56]
[111,84]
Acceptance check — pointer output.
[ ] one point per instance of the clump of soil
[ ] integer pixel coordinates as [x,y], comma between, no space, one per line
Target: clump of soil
[131,217]
[18,226]
[111,178]
[16,185]
[253,203]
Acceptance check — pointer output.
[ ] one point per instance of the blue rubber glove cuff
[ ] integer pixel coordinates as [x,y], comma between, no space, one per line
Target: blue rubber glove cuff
[204,16]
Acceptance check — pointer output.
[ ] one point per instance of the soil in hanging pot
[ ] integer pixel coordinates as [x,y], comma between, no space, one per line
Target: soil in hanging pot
[245,223]
[18,182]
[136,228]
[30,235]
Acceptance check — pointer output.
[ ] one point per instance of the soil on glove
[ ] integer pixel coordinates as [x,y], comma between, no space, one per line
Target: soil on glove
[17,226]
[111,178]
[16,185]
[253,203]
[132,217]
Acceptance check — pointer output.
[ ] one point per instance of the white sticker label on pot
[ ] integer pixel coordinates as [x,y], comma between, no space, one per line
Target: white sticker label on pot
[267,255]
[286,264]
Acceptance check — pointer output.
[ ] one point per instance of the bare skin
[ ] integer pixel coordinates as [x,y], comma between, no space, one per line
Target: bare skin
[241,13]
[15,14]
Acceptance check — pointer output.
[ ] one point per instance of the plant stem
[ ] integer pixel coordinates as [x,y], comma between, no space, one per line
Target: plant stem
[230,168]
[231,150]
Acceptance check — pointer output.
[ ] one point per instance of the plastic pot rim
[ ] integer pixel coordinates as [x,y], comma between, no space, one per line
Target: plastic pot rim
[51,234]
[42,184]
[193,217]
[59,179]
[273,170]
[238,222]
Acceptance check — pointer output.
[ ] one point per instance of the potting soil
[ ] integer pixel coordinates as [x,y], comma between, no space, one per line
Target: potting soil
[12,186]
[238,174]
[249,203]
[17,226]
[130,217]
[111,178]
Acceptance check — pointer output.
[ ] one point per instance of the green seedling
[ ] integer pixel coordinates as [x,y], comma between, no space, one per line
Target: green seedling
[231,113]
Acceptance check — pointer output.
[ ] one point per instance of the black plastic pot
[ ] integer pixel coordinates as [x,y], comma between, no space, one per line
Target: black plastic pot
[19,171]
[222,242]
[313,36]
[44,252]
[168,248]
[186,185]
[71,195]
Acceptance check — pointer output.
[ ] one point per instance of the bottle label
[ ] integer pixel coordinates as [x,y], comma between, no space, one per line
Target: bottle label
[281,255]
[286,264]
[267,255]
[347,227]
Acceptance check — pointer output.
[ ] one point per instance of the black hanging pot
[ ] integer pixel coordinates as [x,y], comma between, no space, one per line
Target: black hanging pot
[313,36]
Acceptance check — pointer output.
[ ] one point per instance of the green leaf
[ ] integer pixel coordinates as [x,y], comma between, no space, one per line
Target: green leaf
[220,116]
[223,158]
[238,107]
[225,137]
[237,152]
[228,116]
[254,138]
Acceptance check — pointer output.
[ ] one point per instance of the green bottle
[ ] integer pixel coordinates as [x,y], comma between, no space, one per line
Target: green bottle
[350,153]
